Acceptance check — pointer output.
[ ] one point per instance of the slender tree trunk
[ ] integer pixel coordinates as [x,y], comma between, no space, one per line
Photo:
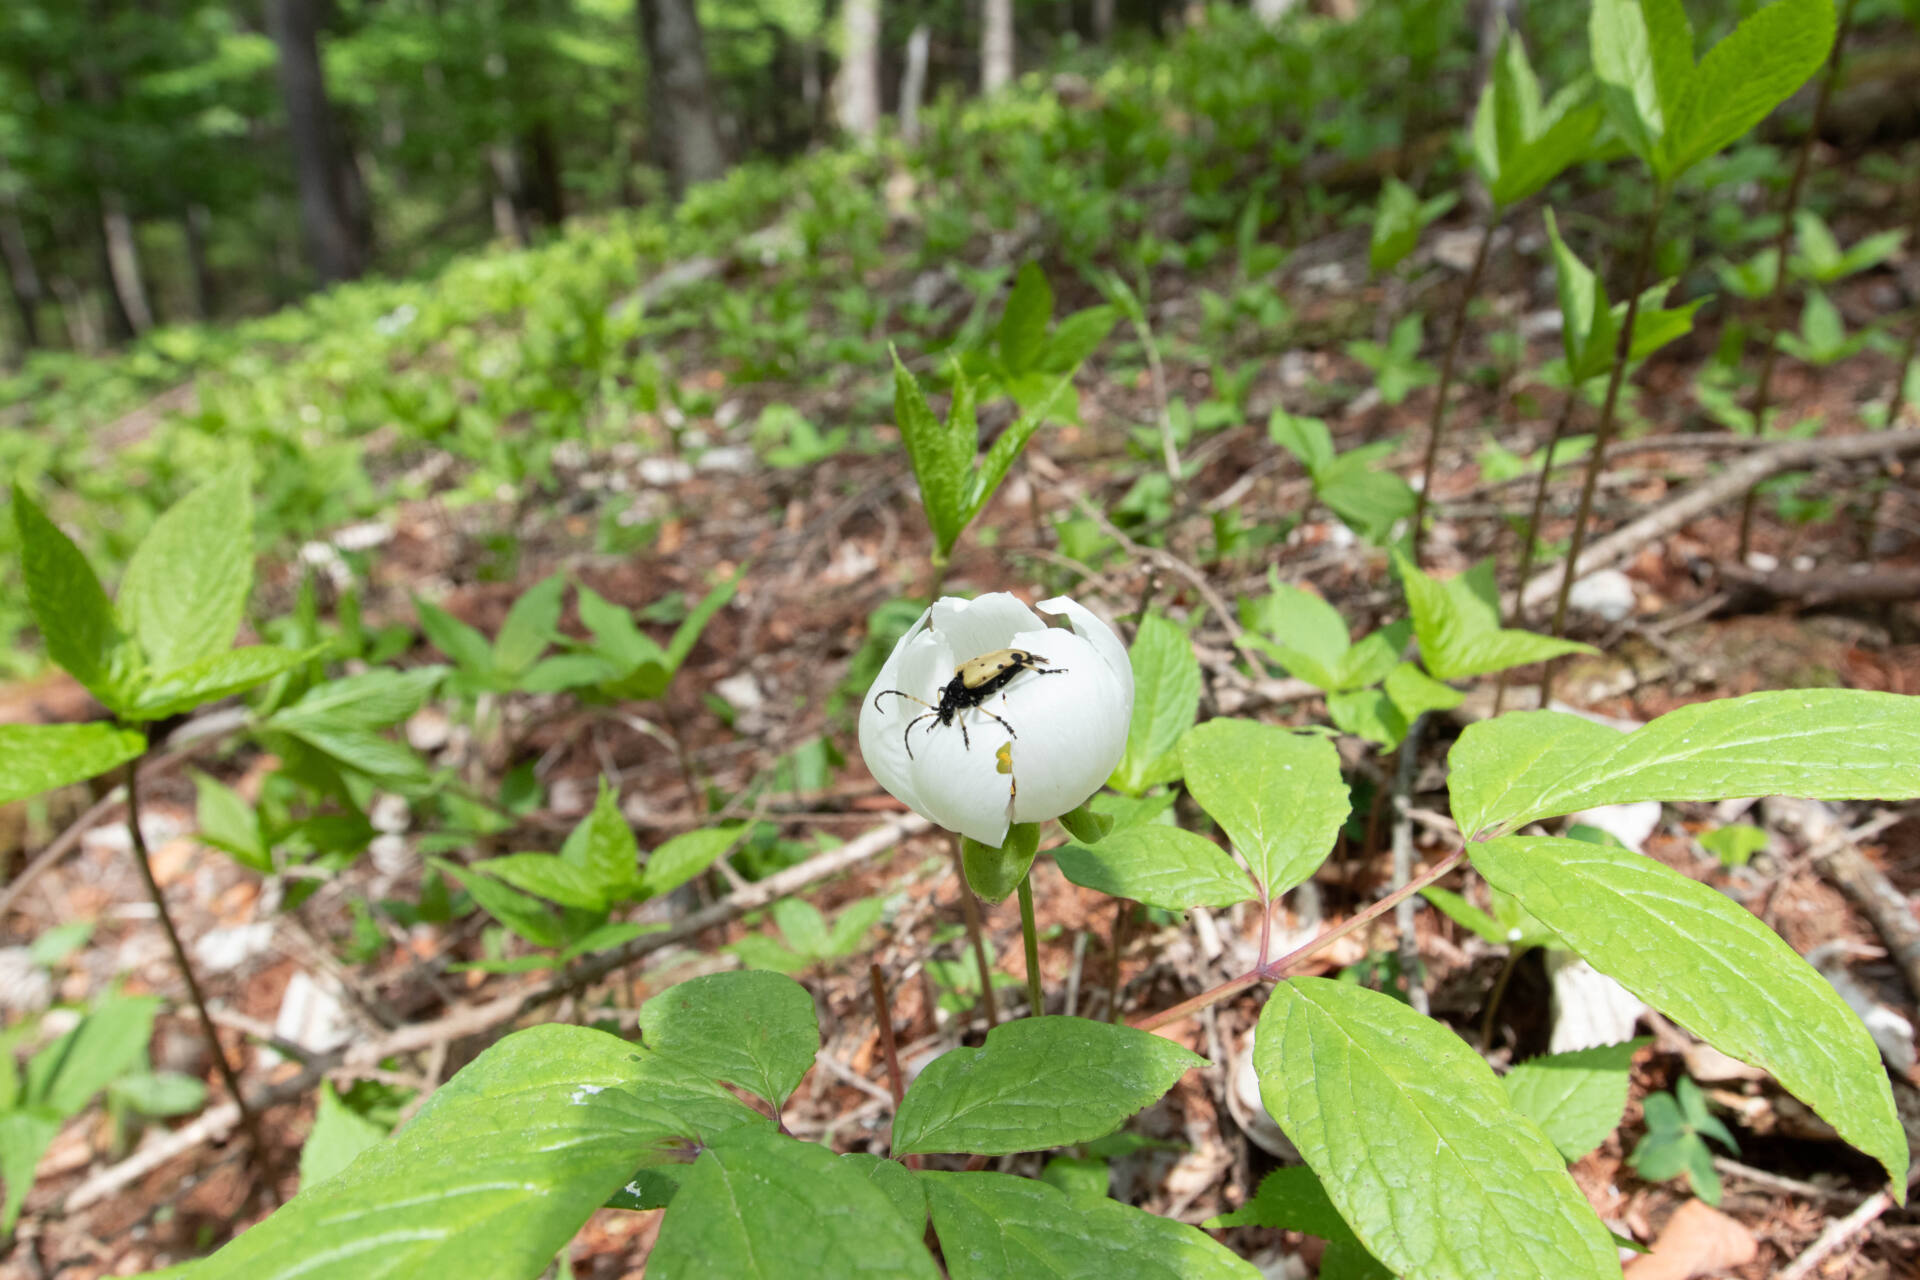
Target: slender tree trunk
[685,125]
[122,249]
[996,45]
[76,312]
[23,278]
[1103,20]
[913,83]
[504,167]
[196,222]
[326,218]
[857,99]
[546,189]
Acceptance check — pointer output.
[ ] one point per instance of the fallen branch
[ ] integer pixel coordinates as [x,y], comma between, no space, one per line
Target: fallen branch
[1880,902]
[1837,1234]
[1731,483]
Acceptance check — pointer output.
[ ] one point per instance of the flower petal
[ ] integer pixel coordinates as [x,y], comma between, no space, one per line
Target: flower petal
[974,627]
[914,668]
[1088,624]
[1071,726]
[957,776]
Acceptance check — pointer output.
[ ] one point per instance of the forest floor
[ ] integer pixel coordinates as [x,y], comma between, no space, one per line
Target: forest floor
[829,544]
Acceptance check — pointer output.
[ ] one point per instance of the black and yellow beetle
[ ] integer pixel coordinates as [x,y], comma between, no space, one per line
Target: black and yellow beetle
[974,681]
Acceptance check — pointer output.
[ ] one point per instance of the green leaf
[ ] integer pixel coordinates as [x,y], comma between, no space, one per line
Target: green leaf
[186,585]
[1827,744]
[993,1226]
[686,856]
[76,622]
[1301,621]
[1643,56]
[339,1134]
[1278,795]
[1588,334]
[36,757]
[1415,693]
[940,457]
[1373,656]
[546,876]
[212,678]
[1163,867]
[688,633]
[1022,334]
[1710,965]
[1292,1199]
[1467,916]
[1076,338]
[1734,843]
[1744,77]
[992,872]
[25,1136]
[109,1042]
[606,937]
[496,1173]
[1568,139]
[763,1206]
[510,907]
[615,633]
[1367,495]
[756,1030]
[1305,438]
[363,752]
[1081,1177]
[1458,625]
[469,649]
[1166,697]
[50,949]
[899,1186]
[1369,714]
[370,700]
[1415,1141]
[1397,224]
[602,846]
[801,923]
[230,823]
[158,1094]
[1576,1098]
[1037,1083]
[849,927]
[759,1205]
[1000,455]
[529,626]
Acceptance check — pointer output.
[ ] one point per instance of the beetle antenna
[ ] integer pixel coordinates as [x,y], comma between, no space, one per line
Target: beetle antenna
[916,720]
[898,693]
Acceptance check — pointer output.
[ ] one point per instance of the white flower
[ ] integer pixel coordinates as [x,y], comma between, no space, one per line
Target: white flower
[1061,717]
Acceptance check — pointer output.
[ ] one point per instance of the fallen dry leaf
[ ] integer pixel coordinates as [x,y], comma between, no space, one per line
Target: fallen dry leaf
[1698,1239]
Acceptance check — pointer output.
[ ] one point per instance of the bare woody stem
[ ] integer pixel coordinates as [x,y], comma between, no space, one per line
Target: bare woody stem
[1531,538]
[1029,935]
[889,1048]
[1436,425]
[1776,298]
[970,908]
[1603,431]
[144,860]
[1285,964]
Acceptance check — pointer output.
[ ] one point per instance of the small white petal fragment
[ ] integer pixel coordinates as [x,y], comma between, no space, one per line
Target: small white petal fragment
[1067,701]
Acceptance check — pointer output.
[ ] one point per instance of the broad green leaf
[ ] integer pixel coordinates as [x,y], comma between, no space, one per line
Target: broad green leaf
[339,1134]
[49,949]
[109,1042]
[756,1030]
[1300,620]
[1458,625]
[1367,494]
[761,1206]
[529,626]
[1000,455]
[1166,697]
[1576,1098]
[209,679]
[230,823]
[1295,662]
[615,933]
[158,1094]
[802,925]
[851,925]
[548,876]
[1037,1083]
[1022,334]
[994,872]
[1710,965]
[36,757]
[1396,226]
[993,1226]
[687,634]
[1643,56]
[1081,1177]
[898,1185]
[1372,656]
[1734,843]
[524,915]
[1076,338]
[496,1173]
[1415,1141]
[1587,331]
[602,846]
[1163,867]
[370,700]
[940,458]
[1278,795]
[1565,141]
[1292,1199]
[76,622]
[686,856]
[1415,693]
[186,585]
[1467,916]
[572,671]
[361,751]
[1827,744]
[25,1135]
[615,633]
[469,649]
[1369,714]
[1305,438]
[1748,74]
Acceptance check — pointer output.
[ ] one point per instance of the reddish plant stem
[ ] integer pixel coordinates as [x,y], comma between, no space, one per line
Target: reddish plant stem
[970,908]
[1281,967]
[228,1076]
[1531,538]
[1436,424]
[1603,431]
[1777,297]
[889,1049]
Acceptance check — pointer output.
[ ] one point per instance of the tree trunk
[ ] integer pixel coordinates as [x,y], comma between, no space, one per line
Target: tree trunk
[1103,20]
[23,278]
[546,189]
[508,221]
[996,45]
[195,222]
[76,311]
[857,96]
[326,218]
[913,82]
[685,126]
[123,264]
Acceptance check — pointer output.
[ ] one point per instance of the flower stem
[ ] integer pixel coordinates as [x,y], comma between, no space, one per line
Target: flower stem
[1285,964]
[883,1015]
[1530,539]
[144,860]
[1036,999]
[970,908]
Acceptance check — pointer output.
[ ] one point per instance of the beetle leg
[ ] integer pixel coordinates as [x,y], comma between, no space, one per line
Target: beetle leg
[1003,723]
